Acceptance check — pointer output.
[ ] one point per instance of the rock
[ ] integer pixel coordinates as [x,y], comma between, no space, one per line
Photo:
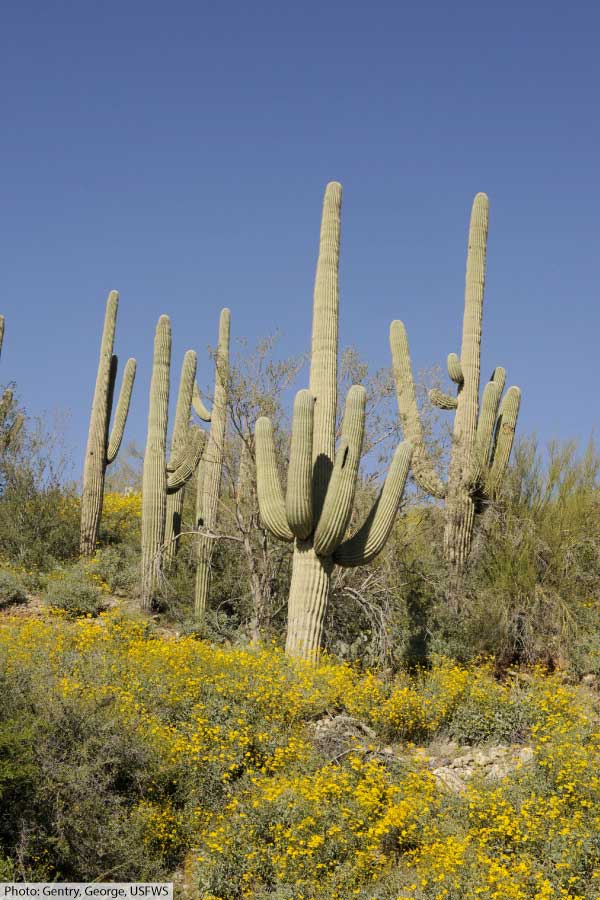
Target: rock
[449,780]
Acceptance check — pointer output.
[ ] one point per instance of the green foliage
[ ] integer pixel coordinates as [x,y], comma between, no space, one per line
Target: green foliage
[12,589]
[74,592]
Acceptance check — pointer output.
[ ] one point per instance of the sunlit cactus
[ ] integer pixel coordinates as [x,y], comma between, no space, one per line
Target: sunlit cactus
[483,434]
[11,430]
[179,444]
[102,446]
[159,476]
[316,509]
[210,469]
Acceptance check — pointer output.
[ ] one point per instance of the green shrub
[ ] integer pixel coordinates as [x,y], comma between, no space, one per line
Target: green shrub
[118,567]
[74,592]
[12,589]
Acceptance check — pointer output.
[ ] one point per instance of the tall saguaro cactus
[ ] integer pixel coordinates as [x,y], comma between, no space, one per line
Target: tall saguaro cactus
[482,436]
[209,473]
[316,509]
[159,477]
[102,447]
[10,429]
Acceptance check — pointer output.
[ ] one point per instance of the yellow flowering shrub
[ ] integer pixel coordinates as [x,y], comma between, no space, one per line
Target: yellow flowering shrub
[217,771]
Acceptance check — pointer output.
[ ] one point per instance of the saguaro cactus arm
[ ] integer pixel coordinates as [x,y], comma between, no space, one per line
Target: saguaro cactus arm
[339,499]
[199,407]
[298,498]
[503,438]
[190,459]
[122,411]
[424,473]
[441,400]
[455,369]
[268,485]
[369,540]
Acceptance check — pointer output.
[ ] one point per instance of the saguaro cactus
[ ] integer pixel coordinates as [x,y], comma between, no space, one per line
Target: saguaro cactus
[10,429]
[102,448]
[209,472]
[160,478]
[317,507]
[482,437]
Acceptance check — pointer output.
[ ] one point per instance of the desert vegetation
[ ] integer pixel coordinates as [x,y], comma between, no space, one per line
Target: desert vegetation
[277,654]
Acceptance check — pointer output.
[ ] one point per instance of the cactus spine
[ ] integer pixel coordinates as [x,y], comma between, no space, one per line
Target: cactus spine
[209,474]
[102,448]
[316,510]
[160,478]
[482,437]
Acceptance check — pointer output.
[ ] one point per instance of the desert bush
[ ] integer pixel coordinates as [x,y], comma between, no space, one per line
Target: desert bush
[74,591]
[118,568]
[12,588]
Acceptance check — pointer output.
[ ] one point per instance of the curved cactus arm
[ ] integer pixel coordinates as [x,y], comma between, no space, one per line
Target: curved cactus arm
[424,473]
[369,540]
[199,407]
[337,507]
[441,400]
[485,431]
[455,369]
[268,487]
[298,498]
[184,471]
[503,439]
[116,434]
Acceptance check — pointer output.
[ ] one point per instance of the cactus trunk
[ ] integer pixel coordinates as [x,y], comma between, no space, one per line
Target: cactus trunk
[179,441]
[208,486]
[307,602]
[154,480]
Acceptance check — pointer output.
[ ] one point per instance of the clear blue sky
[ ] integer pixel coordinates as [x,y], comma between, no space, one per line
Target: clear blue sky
[178,153]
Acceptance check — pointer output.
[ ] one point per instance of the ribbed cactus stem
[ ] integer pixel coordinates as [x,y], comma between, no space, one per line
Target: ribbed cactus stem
[212,465]
[154,479]
[199,407]
[369,540]
[324,348]
[298,498]
[455,369]
[465,421]
[307,603]
[1,332]
[425,475]
[101,448]
[179,445]
[339,499]
[441,400]
[503,438]
[270,493]
[187,464]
